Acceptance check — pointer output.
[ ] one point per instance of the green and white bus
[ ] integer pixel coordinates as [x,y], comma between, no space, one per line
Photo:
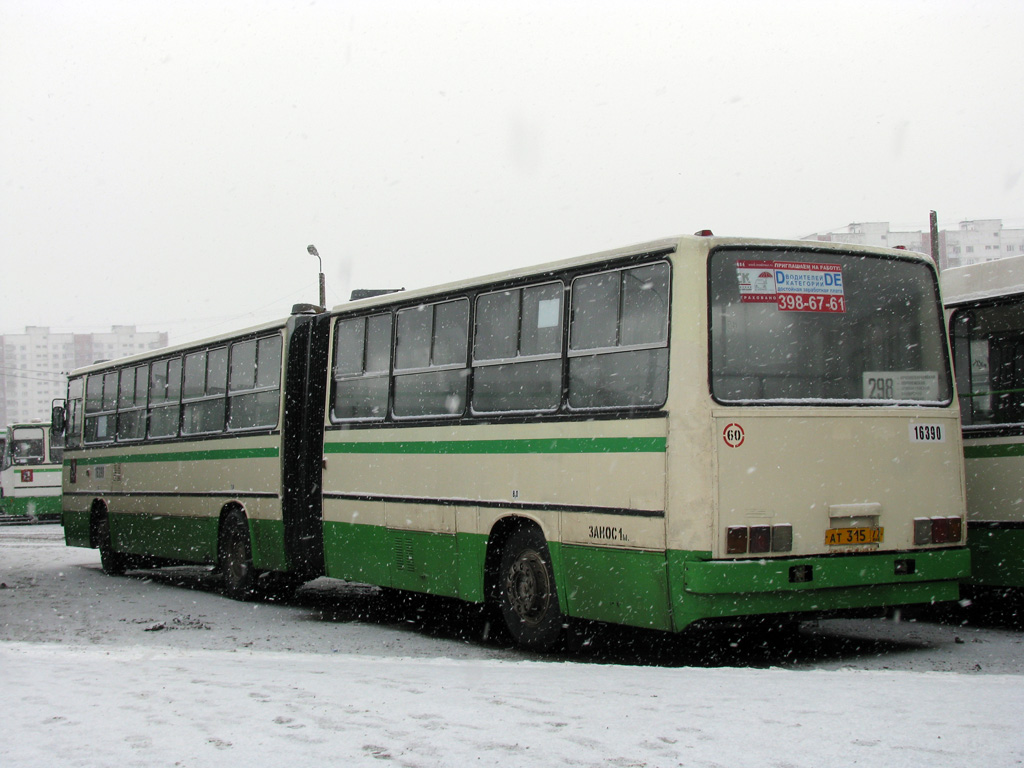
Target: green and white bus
[30,473]
[690,429]
[986,319]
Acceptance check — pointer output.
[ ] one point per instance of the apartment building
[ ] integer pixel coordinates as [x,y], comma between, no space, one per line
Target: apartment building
[972,242]
[34,364]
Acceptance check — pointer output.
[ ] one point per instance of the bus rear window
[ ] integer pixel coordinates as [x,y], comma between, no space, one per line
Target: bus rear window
[798,326]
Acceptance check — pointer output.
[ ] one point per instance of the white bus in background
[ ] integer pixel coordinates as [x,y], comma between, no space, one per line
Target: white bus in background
[691,429]
[30,472]
[985,305]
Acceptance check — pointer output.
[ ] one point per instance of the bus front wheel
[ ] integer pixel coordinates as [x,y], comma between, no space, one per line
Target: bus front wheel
[527,593]
[235,558]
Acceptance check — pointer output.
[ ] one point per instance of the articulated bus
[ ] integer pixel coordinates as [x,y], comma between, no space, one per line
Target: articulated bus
[985,303]
[30,473]
[691,429]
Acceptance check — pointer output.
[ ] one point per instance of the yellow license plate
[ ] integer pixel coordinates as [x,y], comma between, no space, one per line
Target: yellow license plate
[838,537]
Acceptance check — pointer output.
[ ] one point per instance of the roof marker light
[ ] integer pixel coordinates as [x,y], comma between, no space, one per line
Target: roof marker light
[704,233]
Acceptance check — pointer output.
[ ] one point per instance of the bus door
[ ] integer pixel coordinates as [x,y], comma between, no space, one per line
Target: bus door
[302,443]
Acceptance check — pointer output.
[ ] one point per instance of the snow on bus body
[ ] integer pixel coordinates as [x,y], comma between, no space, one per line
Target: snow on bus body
[690,429]
[985,308]
[30,483]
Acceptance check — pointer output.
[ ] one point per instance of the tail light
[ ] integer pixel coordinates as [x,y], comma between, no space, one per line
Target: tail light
[736,540]
[938,530]
[756,539]
[760,538]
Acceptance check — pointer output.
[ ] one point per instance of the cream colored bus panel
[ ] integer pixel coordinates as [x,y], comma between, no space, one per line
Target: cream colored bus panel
[815,474]
[993,494]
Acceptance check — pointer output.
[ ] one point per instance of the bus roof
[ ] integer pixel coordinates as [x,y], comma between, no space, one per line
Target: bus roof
[653,246]
[985,280]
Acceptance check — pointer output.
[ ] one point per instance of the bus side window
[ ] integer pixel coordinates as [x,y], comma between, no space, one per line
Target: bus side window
[73,429]
[362,363]
[430,360]
[57,448]
[618,338]
[254,383]
[164,397]
[100,407]
[131,403]
[989,364]
[1006,366]
[204,398]
[517,350]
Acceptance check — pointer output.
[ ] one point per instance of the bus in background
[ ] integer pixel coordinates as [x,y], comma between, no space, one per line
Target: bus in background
[30,473]
[691,429]
[985,304]
[178,455]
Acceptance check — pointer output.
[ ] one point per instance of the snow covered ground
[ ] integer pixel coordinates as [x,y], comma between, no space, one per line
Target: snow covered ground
[156,669]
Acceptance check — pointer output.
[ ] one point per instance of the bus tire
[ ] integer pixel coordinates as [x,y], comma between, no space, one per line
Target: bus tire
[527,594]
[234,555]
[113,563]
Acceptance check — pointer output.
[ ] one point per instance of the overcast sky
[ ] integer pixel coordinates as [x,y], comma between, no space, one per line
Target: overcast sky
[165,164]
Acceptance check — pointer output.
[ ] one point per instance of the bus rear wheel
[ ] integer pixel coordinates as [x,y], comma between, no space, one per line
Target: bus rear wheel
[527,594]
[113,563]
[235,558]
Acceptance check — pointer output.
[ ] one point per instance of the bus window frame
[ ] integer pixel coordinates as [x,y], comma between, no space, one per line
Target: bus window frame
[431,369]
[256,389]
[967,312]
[606,352]
[109,416]
[167,403]
[133,408]
[942,341]
[387,373]
[478,363]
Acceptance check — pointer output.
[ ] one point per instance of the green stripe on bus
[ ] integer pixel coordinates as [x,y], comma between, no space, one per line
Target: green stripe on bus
[208,455]
[553,445]
[999,451]
[31,505]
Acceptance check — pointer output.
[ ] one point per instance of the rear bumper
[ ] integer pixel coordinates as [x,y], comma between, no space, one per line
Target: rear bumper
[722,588]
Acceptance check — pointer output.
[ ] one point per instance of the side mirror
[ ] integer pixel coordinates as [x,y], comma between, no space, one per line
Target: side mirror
[58,419]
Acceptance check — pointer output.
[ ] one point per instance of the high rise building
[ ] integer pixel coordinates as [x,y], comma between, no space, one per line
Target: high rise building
[34,364]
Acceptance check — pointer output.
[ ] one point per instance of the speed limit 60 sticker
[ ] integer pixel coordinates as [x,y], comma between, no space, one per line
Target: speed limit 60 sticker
[733,435]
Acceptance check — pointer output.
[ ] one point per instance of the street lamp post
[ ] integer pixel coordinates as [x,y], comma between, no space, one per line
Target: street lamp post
[311,250]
